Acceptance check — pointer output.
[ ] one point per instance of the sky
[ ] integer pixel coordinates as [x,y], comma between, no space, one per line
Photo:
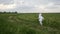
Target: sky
[30,6]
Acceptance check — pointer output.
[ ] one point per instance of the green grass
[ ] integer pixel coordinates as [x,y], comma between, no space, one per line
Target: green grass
[29,24]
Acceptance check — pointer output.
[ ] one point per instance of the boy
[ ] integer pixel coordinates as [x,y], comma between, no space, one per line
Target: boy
[40,18]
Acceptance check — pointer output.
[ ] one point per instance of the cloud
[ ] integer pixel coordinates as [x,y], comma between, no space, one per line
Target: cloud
[10,6]
[31,5]
[6,1]
[7,4]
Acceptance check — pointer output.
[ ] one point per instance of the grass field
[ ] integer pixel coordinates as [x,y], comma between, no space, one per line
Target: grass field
[29,24]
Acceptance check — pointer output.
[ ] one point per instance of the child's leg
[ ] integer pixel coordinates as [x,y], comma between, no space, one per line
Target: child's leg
[41,23]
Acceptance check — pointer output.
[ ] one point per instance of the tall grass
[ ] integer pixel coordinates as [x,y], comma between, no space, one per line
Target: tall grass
[29,24]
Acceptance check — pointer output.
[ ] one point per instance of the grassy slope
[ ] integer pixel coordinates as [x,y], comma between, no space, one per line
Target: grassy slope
[29,24]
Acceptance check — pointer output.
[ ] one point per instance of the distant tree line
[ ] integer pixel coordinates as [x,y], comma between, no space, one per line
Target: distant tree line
[8,12]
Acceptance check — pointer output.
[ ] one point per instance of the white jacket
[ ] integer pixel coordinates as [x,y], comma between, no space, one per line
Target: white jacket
[40,17]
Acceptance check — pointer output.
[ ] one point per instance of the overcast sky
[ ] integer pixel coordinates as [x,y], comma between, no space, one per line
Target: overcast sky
[30,5]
